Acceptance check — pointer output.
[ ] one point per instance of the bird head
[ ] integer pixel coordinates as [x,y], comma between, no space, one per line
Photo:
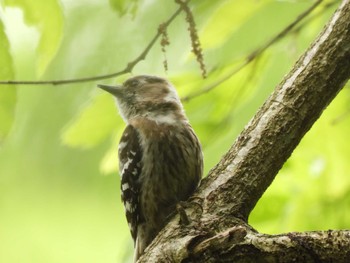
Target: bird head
[146,96]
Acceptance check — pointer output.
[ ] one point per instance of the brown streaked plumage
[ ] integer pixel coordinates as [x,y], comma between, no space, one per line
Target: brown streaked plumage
[160,156]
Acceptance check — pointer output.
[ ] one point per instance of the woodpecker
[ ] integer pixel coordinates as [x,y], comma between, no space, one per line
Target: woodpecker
[160,156]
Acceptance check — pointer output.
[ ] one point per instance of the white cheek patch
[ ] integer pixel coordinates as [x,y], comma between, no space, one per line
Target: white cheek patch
[123,109]
[168,118]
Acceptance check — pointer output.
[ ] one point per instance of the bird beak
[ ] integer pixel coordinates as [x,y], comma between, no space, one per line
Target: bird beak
[114,90]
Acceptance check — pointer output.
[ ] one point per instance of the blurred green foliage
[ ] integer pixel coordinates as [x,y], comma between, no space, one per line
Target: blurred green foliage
[8,94]
[48,18]
[59,188]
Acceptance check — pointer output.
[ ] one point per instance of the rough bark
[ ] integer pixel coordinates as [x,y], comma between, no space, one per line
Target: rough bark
[217,229]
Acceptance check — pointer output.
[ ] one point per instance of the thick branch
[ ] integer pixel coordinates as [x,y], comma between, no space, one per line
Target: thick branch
[236,245]
[271,136]
[219,211]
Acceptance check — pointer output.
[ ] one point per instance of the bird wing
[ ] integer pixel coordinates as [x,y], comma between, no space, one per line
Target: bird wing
[130,155]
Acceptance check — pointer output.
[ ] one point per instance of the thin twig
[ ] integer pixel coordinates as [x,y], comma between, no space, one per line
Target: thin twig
[127,69]
[256,53]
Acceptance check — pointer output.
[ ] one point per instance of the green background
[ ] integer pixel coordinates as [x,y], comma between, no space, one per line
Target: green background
[59,185]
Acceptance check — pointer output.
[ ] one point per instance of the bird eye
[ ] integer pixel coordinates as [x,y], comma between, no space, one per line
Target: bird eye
[134,83]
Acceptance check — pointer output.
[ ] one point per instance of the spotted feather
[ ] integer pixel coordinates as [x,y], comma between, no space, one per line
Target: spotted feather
[130,168]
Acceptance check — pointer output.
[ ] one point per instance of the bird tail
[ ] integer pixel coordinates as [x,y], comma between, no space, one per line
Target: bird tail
[138,251]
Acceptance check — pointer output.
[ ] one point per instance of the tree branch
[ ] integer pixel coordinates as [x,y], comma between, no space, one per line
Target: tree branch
[219,210]
[274,132]
[257,52]
[128,68]
[240,246]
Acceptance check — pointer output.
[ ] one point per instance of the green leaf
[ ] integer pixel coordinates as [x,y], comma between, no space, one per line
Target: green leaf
[109,163]
[314,183]
[94,123]
[221,27]
[256,27]
[8,92]
[47,17]
[124,6]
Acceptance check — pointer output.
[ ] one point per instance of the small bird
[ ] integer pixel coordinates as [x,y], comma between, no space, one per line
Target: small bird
[160,157]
